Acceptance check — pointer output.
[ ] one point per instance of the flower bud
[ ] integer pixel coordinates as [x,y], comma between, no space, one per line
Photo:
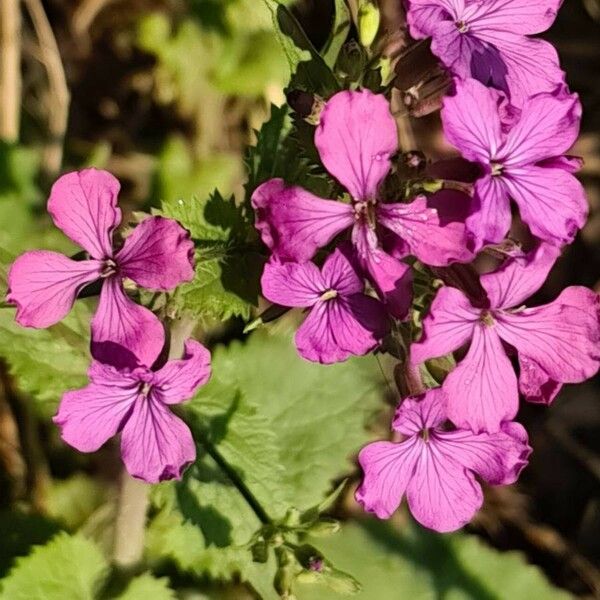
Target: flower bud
[260,550]
[341,582]
[369,19]
[324,527]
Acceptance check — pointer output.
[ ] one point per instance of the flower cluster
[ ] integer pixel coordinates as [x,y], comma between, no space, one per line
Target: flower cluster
[128,391]
[513,118]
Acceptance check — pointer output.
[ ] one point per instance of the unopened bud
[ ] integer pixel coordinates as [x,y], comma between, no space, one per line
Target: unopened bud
[260,551]
[369,19]
[341,582]
[324,527]
[286,573]
[306,105]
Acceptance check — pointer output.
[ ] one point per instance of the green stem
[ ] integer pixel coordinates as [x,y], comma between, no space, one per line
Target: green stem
[237,481]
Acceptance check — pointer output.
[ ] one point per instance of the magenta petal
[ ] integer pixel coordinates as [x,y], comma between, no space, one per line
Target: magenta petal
[562,337]
[294,223]
[498,458]
[340,274]
[493,219]
[551,201]
[442,495]
[431,240]
[471,120]
[124,333]
[44,286]
[158,255]
[571,164]
[520,277]
[535,384]
[178,380]
[482,389]
[426,411]
[388,468]
[90,416]
[292,284]
[549,126]
[450,323]
[336,329]
[526,17]
[83,204]
[355,139]
[155,444]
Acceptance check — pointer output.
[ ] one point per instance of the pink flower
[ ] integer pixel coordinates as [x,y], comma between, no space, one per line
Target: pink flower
[155,444]
[488,41]
[355,139]
[435,467]
[556,343]
[522,162]
[341,320]
[158,255]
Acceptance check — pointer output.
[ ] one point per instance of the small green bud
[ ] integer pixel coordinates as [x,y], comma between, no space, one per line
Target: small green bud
[286,573]
[341,582]
[324,527]
[369,19]
[260,550]
[292,518]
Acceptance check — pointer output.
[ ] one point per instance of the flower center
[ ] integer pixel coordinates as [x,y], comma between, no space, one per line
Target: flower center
[496,168]
[145,389]
[424,433]
[108,268]
[487,318]
[328,295]
[462,26]
[364,211]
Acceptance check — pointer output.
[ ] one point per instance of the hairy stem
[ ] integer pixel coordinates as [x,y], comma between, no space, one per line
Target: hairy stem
[10,69]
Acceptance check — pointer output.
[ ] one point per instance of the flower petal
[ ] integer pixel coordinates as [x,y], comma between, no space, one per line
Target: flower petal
[44,286]
[83,204]
[124,333]
[340,274]
[491,222]
[292,284]
[498,458]
[551,201]
[482,389]
[178,380]
[336,329]
[155,444]
[294,223]
[158,255]
[90,416]
[562,337]
[535,384]
[449,324]
[430,238]
[388,468]
[442,495]
[355,138]
[519,277]
[471,120]
[549,126]
[418,413]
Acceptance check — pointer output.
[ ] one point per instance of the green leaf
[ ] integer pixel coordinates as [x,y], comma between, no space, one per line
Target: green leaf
[415,563]
[339,33]
[308,69]
[47,362]
[67,567]
[73,500]
[262,404]
[148,587]
[228,266]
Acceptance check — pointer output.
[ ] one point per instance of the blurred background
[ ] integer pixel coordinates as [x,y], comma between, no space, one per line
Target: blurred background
[166,94]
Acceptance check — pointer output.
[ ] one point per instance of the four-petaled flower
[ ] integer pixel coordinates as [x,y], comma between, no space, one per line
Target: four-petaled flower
[488,41]
[523,161]
[356,137]
[342,321]
[155,444]
[435,466]
[556,343]
[158,255]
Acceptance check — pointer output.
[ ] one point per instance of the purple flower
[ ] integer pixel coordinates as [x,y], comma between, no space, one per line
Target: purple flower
[487,41]
[158,255]
[355,139]
[155,444]
[556,343]
[436,467]
[342,321]
[522,161]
